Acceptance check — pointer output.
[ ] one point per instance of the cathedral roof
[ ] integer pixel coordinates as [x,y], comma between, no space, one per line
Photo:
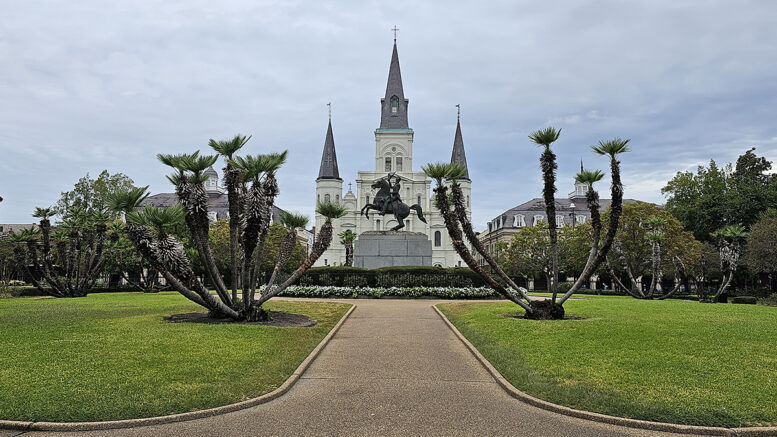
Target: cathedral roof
[394,119]
[458,156]
[328,169]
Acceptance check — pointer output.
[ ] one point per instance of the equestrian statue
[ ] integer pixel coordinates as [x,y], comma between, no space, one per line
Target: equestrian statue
[388,201]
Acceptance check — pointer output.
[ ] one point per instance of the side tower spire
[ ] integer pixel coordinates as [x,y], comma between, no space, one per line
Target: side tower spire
[328,169]
[394,104]
[458,156]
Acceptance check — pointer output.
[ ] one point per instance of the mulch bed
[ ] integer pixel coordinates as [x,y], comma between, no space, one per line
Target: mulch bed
[277,318]
[523,316]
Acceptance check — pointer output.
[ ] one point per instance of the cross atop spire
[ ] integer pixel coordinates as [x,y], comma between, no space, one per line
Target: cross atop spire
[329,105]
[458,112]
[395,29]
[458,156]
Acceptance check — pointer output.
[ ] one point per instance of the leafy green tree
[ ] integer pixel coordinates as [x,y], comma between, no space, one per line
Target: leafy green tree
[715,196]
[760,256]
[91,195]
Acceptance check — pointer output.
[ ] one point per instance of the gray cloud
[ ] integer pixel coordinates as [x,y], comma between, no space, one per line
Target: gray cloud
[92,86]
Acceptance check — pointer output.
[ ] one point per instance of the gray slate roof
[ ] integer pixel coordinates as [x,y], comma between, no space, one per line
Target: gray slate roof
[7,228]
[398,120]
[328,169]
[536,206]
[458,156]
[217,202]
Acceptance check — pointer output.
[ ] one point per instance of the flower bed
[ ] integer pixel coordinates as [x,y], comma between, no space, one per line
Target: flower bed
[378,292]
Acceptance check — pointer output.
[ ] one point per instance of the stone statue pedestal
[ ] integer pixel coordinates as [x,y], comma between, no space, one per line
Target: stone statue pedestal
[375,249]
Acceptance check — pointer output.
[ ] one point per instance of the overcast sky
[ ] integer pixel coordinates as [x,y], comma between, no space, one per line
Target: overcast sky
[93,85]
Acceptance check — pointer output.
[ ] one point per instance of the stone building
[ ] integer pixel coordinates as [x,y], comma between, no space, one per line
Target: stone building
[570,211]
[393,153]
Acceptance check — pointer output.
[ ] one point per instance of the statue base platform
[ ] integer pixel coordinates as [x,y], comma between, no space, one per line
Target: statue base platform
[375,249]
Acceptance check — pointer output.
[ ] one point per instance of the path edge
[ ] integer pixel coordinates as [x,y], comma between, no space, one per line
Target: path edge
[18,425]
[597,417]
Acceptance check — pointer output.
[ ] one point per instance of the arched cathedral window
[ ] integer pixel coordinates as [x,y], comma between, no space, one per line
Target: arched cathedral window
[327,198]
[394,104]
[437,239]
[388,164]
[399,163]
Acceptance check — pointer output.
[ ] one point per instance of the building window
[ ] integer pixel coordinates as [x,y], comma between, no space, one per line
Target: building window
[489,227]
[399,163]
[327,198]
[538,219]
[326,262]
[388,163]
[337,198]
[368,200]
[318,198]
[580,219]
[394,104]
[419,199]
[437,239]
[559,221]
[519,221]
[212,216]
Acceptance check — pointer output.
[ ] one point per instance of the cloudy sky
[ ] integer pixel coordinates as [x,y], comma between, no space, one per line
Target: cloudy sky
[93,85]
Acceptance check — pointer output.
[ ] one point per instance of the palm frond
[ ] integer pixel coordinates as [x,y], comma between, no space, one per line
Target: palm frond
[588,177]
[25,235]
[347,236]
[274,161]
[163,220]
[611,147]
[227,148]
[437,171]
[178,161]
[545,137]
[455,171]
[43,213]
[198,164]
[733,233]
[292,220]
[331,210]
[127,200]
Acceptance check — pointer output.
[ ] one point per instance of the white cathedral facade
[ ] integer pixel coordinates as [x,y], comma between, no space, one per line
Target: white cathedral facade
[393,153]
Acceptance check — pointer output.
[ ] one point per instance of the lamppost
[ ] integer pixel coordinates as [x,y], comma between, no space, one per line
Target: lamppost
[572,214]
[703,293]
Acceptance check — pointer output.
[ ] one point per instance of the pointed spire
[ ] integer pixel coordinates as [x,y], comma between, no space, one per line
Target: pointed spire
[581,165]
[328,169]
[394,104]
[458,156]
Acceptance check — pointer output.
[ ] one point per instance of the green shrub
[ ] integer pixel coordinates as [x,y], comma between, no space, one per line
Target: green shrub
[387,277]
[770,300]
[749,300]
[380,292]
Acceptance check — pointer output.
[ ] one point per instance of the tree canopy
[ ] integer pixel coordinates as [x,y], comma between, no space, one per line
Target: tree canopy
[716,196]
[91,195]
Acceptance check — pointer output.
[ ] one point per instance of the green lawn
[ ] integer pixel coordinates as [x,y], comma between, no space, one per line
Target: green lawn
[111,356]
[669,361]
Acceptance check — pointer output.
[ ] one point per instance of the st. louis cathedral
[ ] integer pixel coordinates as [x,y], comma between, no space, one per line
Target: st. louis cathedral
[393,154]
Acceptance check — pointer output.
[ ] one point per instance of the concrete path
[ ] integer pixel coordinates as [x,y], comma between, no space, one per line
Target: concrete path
[394,368]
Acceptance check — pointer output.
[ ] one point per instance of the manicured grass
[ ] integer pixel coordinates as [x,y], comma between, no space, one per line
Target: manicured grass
[669,361]
[112,356]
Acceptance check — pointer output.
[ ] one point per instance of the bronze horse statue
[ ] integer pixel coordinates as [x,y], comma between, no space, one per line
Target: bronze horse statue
[396,206]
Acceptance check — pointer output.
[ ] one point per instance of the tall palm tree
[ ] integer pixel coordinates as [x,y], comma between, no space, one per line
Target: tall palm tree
[291,222]
[611,148]
[546,137]
[233,182]
[330,211]
[347,238]
[438,172]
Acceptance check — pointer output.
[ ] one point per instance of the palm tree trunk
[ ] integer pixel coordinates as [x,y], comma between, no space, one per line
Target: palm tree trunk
[232,178]
[284,253]
[549,166]
[616,208]
[451,224]
[461,214]
[319,247]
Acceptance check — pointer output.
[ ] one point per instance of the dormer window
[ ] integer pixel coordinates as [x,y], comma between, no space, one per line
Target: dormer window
[394,104]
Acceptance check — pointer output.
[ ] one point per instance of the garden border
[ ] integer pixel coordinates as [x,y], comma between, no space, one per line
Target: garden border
[597,417]
[181,417]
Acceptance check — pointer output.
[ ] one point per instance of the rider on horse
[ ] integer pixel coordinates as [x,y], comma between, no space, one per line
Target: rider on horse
[393,193]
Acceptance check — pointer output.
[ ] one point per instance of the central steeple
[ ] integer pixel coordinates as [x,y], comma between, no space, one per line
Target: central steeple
[394,104]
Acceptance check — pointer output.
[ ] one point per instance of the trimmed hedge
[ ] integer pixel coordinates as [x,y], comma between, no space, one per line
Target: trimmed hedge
[388,277]
[749,300]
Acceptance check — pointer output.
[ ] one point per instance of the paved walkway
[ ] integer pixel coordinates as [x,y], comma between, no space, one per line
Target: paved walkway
[394,368]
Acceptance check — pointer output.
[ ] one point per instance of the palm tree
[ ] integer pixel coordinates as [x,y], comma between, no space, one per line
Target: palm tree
[330,211]
[438,172]
[546,137]
[292,222]
[730,240]
[347,238]
[233,181]
[611,148]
